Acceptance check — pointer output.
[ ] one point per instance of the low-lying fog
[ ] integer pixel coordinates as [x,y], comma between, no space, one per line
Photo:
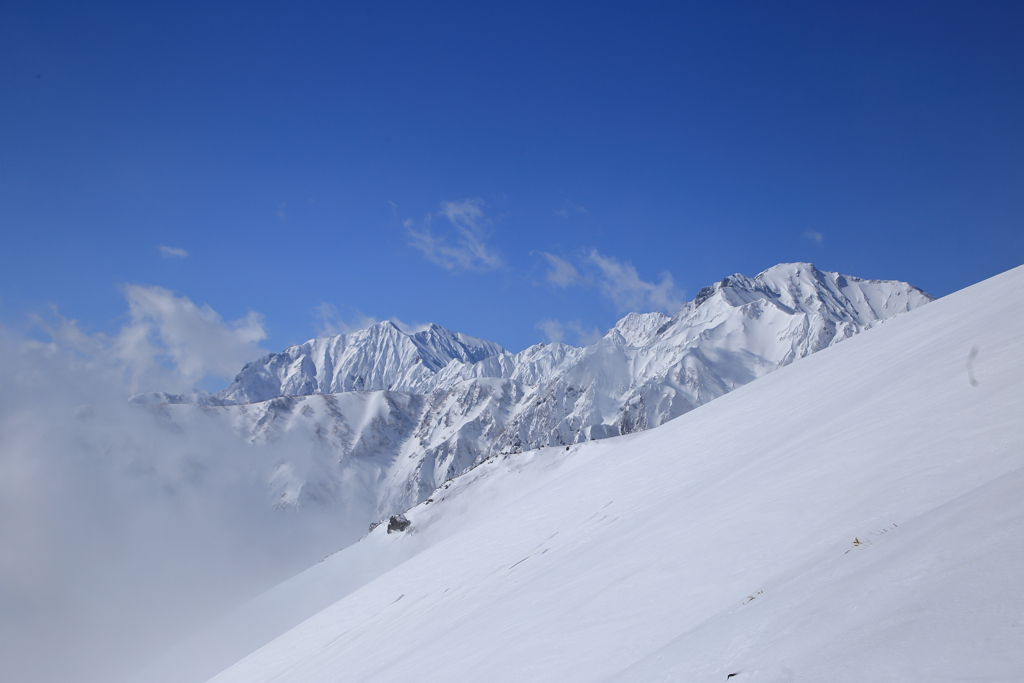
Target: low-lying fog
[121,531]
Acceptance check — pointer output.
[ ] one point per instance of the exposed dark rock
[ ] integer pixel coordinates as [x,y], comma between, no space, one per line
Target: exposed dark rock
[398,523]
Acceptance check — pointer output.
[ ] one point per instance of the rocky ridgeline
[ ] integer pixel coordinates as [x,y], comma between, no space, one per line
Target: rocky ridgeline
[385,416]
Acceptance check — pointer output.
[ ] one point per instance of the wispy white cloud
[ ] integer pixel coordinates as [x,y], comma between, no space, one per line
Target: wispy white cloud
[329,322]
[568,208]
[558,331]
[463,246]
[618,281]
[814,236]
[621,283]
[553,330]
[562,273]
[172,252]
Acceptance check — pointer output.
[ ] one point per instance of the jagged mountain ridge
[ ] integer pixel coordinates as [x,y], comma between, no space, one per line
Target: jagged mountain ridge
[391,415]
[381,357]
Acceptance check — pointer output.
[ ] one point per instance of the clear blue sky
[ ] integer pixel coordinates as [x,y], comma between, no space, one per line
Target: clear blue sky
[491,166]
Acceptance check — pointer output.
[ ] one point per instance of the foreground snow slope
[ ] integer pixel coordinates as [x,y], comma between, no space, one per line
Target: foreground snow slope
[856,516]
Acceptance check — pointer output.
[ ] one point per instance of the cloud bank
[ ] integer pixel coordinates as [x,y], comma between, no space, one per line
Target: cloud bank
[125,528]
[169,343]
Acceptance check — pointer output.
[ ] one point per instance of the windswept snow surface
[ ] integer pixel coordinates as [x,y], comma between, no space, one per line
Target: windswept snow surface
[857,516]
[392,415]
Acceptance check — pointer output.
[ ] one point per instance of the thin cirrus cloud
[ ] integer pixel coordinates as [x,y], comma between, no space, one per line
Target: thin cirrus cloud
[556,331]
[617,281]
[330,323]
[462,244]
[561,273]
[814,236]
[568,208]
[172,252]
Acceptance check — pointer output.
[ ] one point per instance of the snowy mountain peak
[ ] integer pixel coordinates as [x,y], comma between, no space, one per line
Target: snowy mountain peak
[802,287]
[438,347]
[835,303]
[380,357]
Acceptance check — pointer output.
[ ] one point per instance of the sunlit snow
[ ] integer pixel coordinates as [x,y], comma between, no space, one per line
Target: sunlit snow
[854,517]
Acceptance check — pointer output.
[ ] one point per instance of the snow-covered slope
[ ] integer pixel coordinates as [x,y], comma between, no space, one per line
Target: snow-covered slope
[392,415]
[854,517]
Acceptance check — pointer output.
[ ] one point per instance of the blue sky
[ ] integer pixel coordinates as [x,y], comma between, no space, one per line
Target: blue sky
[515,171]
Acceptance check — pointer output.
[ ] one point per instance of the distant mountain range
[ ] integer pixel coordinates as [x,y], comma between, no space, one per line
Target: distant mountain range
[392,415]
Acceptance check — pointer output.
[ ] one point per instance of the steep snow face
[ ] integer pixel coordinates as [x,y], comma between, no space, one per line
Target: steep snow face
[853,517]
[637,329]
[454,400]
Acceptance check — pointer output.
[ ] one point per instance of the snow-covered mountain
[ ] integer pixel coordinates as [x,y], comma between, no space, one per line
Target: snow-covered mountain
[392,415]
[379,358]
[853,517]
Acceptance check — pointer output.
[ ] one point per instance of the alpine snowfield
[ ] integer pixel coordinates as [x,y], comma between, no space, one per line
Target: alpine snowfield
[856,516]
